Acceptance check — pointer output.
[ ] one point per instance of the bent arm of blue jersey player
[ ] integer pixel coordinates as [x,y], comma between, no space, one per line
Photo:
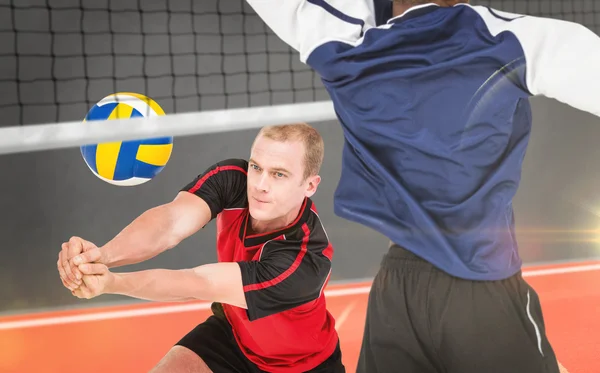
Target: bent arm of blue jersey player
[565,63]
[306,24]
[562,58]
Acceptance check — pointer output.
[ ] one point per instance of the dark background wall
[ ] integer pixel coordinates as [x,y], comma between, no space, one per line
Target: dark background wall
[212,55]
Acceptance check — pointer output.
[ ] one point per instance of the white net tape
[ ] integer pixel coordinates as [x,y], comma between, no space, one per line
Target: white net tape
[21,139]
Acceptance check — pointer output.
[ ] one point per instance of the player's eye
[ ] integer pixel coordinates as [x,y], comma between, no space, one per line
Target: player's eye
[279,175]
[255,167]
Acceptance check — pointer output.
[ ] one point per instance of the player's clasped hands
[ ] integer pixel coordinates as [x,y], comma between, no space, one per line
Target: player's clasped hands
[81,269]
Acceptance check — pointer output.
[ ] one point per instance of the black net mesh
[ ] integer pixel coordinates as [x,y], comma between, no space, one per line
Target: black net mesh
[59,57]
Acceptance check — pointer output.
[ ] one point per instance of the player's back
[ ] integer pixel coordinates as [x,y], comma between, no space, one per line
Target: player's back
[436,118]
[435,114]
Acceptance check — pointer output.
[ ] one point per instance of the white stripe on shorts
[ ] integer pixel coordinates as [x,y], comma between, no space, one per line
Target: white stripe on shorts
[537,330]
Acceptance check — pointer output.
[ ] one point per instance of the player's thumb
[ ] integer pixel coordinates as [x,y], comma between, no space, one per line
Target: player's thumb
[92,268]
[87,257]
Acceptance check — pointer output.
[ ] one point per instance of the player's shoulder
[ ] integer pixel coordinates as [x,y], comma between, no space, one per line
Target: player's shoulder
[229,174]
[310,228]
[500,22]
[485,10]
[227,169]
[232,163]
[313,218]
[497,19]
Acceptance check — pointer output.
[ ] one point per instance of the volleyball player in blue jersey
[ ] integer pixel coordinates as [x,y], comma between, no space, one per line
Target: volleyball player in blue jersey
[433,101]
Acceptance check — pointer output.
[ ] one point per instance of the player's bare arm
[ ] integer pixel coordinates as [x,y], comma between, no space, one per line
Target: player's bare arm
[156,231]
[217,282]
[153,232]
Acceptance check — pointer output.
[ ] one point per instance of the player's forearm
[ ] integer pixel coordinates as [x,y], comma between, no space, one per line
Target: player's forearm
[147,236]
[161,285]
[216,282]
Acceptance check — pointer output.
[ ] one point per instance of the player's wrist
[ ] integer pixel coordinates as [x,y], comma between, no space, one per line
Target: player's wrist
[105,257]
[113,283]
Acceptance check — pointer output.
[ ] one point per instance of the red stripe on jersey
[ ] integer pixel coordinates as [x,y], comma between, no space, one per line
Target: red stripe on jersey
[198,184]
[328,252]
[287,273]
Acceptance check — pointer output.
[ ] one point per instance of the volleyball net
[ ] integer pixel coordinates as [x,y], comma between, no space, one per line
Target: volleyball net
[211,65]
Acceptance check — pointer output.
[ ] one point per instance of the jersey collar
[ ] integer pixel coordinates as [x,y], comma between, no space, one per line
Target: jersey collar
[251,240]
[415,11]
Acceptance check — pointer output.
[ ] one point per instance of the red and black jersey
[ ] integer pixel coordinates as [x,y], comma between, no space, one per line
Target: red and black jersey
[286,327]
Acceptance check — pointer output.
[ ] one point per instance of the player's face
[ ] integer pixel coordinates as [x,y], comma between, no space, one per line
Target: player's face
[276,183]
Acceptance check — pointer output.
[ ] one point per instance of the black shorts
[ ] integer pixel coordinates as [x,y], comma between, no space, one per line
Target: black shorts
[420,319]
[214,342]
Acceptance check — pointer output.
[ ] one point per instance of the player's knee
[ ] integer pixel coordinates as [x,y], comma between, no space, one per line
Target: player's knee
[182,360]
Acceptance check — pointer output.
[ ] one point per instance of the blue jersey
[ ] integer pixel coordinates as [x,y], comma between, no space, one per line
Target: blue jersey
[435,112]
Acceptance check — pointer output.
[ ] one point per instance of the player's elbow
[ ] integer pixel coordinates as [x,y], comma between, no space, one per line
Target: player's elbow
[175,222]
[162,222]
[219,282]
[184,216]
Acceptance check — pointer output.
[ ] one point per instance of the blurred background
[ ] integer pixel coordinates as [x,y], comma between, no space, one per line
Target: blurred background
[59,57]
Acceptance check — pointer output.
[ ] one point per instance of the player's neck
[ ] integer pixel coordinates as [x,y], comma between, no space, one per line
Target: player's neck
[399,6]
[262,226]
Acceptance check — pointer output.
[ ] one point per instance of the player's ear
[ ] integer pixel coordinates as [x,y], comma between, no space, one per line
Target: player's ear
[312,182]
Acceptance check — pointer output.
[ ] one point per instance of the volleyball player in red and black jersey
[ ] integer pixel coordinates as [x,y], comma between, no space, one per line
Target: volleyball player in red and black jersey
[283,271]
[274,259]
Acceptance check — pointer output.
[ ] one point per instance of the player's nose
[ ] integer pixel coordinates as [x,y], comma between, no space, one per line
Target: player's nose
[262,183]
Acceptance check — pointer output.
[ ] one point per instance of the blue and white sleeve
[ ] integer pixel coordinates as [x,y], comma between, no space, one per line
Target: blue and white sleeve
[307,24]
[562,58]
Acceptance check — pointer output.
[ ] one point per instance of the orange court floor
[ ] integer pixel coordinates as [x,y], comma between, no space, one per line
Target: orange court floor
[132,338]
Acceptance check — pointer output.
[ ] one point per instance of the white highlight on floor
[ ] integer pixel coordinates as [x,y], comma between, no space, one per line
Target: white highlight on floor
[341,319]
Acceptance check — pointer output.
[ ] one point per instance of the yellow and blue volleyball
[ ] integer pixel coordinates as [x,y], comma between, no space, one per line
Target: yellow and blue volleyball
[127,163]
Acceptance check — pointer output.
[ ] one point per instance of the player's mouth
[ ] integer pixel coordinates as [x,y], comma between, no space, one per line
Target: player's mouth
[259,200]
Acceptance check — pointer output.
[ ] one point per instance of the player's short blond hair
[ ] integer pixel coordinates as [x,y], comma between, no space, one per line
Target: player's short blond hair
[314,148]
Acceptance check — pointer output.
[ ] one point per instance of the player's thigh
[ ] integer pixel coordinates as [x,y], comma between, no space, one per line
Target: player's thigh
[181,360]
[490,326]
[215,345]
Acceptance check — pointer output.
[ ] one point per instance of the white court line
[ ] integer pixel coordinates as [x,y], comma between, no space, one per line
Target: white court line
[103,315]
[559,271]
[163,310]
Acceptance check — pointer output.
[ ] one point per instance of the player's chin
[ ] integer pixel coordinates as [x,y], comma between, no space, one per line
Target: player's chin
[260,211]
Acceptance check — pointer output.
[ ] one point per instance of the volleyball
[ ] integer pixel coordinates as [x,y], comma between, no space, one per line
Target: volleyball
[127,163]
